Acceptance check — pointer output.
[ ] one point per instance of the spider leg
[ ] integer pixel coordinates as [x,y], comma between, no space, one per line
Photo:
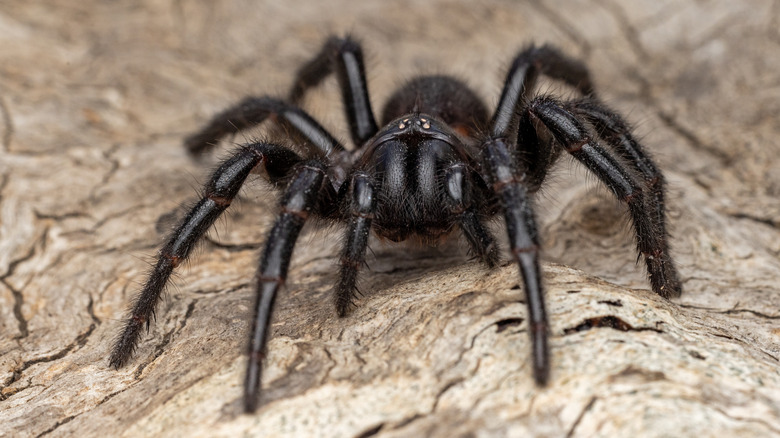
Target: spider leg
[345,56]
[362,208]
[535,153]
[254,110]
[521,78]
[500,170]
[617,135]
[479,237]
[217,196]
[301,197]
[573,135]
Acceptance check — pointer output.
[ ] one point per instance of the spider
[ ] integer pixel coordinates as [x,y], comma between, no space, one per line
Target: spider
[438,163]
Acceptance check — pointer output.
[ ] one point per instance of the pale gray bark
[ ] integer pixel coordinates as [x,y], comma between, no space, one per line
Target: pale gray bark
[96,97]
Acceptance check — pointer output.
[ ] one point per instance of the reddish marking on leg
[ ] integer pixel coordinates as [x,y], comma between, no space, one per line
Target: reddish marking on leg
[576,147]
[300,213]
[257,356]
[355,264]
[631,196]
[138,319]
[220,200]
[260,157]
[277,280]
[498,185]
[537,327]
[175,260]
[653,181]
[518,251]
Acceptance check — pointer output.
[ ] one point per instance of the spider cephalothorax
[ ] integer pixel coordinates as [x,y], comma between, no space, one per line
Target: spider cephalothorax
[439,163]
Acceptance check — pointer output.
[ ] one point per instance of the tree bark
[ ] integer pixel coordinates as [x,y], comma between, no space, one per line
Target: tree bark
[96,97]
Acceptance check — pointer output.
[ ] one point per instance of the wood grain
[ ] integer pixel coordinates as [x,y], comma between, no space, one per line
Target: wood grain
[96,97]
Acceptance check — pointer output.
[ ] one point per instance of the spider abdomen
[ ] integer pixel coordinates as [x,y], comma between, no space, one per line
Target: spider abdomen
[444,97]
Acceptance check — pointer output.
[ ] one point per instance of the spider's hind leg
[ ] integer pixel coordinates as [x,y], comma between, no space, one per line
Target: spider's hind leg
[345,57]
[521,80]
[617,134]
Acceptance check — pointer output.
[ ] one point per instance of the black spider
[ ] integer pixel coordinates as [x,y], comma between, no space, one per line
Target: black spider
[438,163]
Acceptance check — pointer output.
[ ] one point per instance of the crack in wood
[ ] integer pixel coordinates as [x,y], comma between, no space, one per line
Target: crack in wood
[8,122]
[730,311]
[775,430]
[160,348]
[584,411]
[330,368]
[73,417]
[608,321]
[18,304]
[60,217]
[59,423]
[449,385]
[17,294]
[113,167]
[80,341]
[505,324]
[371,431]
[761,220]
[624,24]
[574,27]
[692,139]
[559,22]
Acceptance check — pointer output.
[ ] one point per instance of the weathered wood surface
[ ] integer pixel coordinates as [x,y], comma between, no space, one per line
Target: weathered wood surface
[95,98]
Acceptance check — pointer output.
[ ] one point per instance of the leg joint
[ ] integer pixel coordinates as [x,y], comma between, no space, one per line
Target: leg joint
[174,259]
[221,201]
[303,214]
[577,146]
[524,250]
[350,263]
[633,195]
[270,279]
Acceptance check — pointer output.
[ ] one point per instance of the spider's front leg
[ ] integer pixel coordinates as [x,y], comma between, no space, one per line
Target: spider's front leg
[459,197]
[217,196]
[299,201]
[501,170]
[362,209]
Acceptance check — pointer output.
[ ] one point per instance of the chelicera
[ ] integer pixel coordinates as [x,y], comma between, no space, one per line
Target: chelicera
[439,163]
